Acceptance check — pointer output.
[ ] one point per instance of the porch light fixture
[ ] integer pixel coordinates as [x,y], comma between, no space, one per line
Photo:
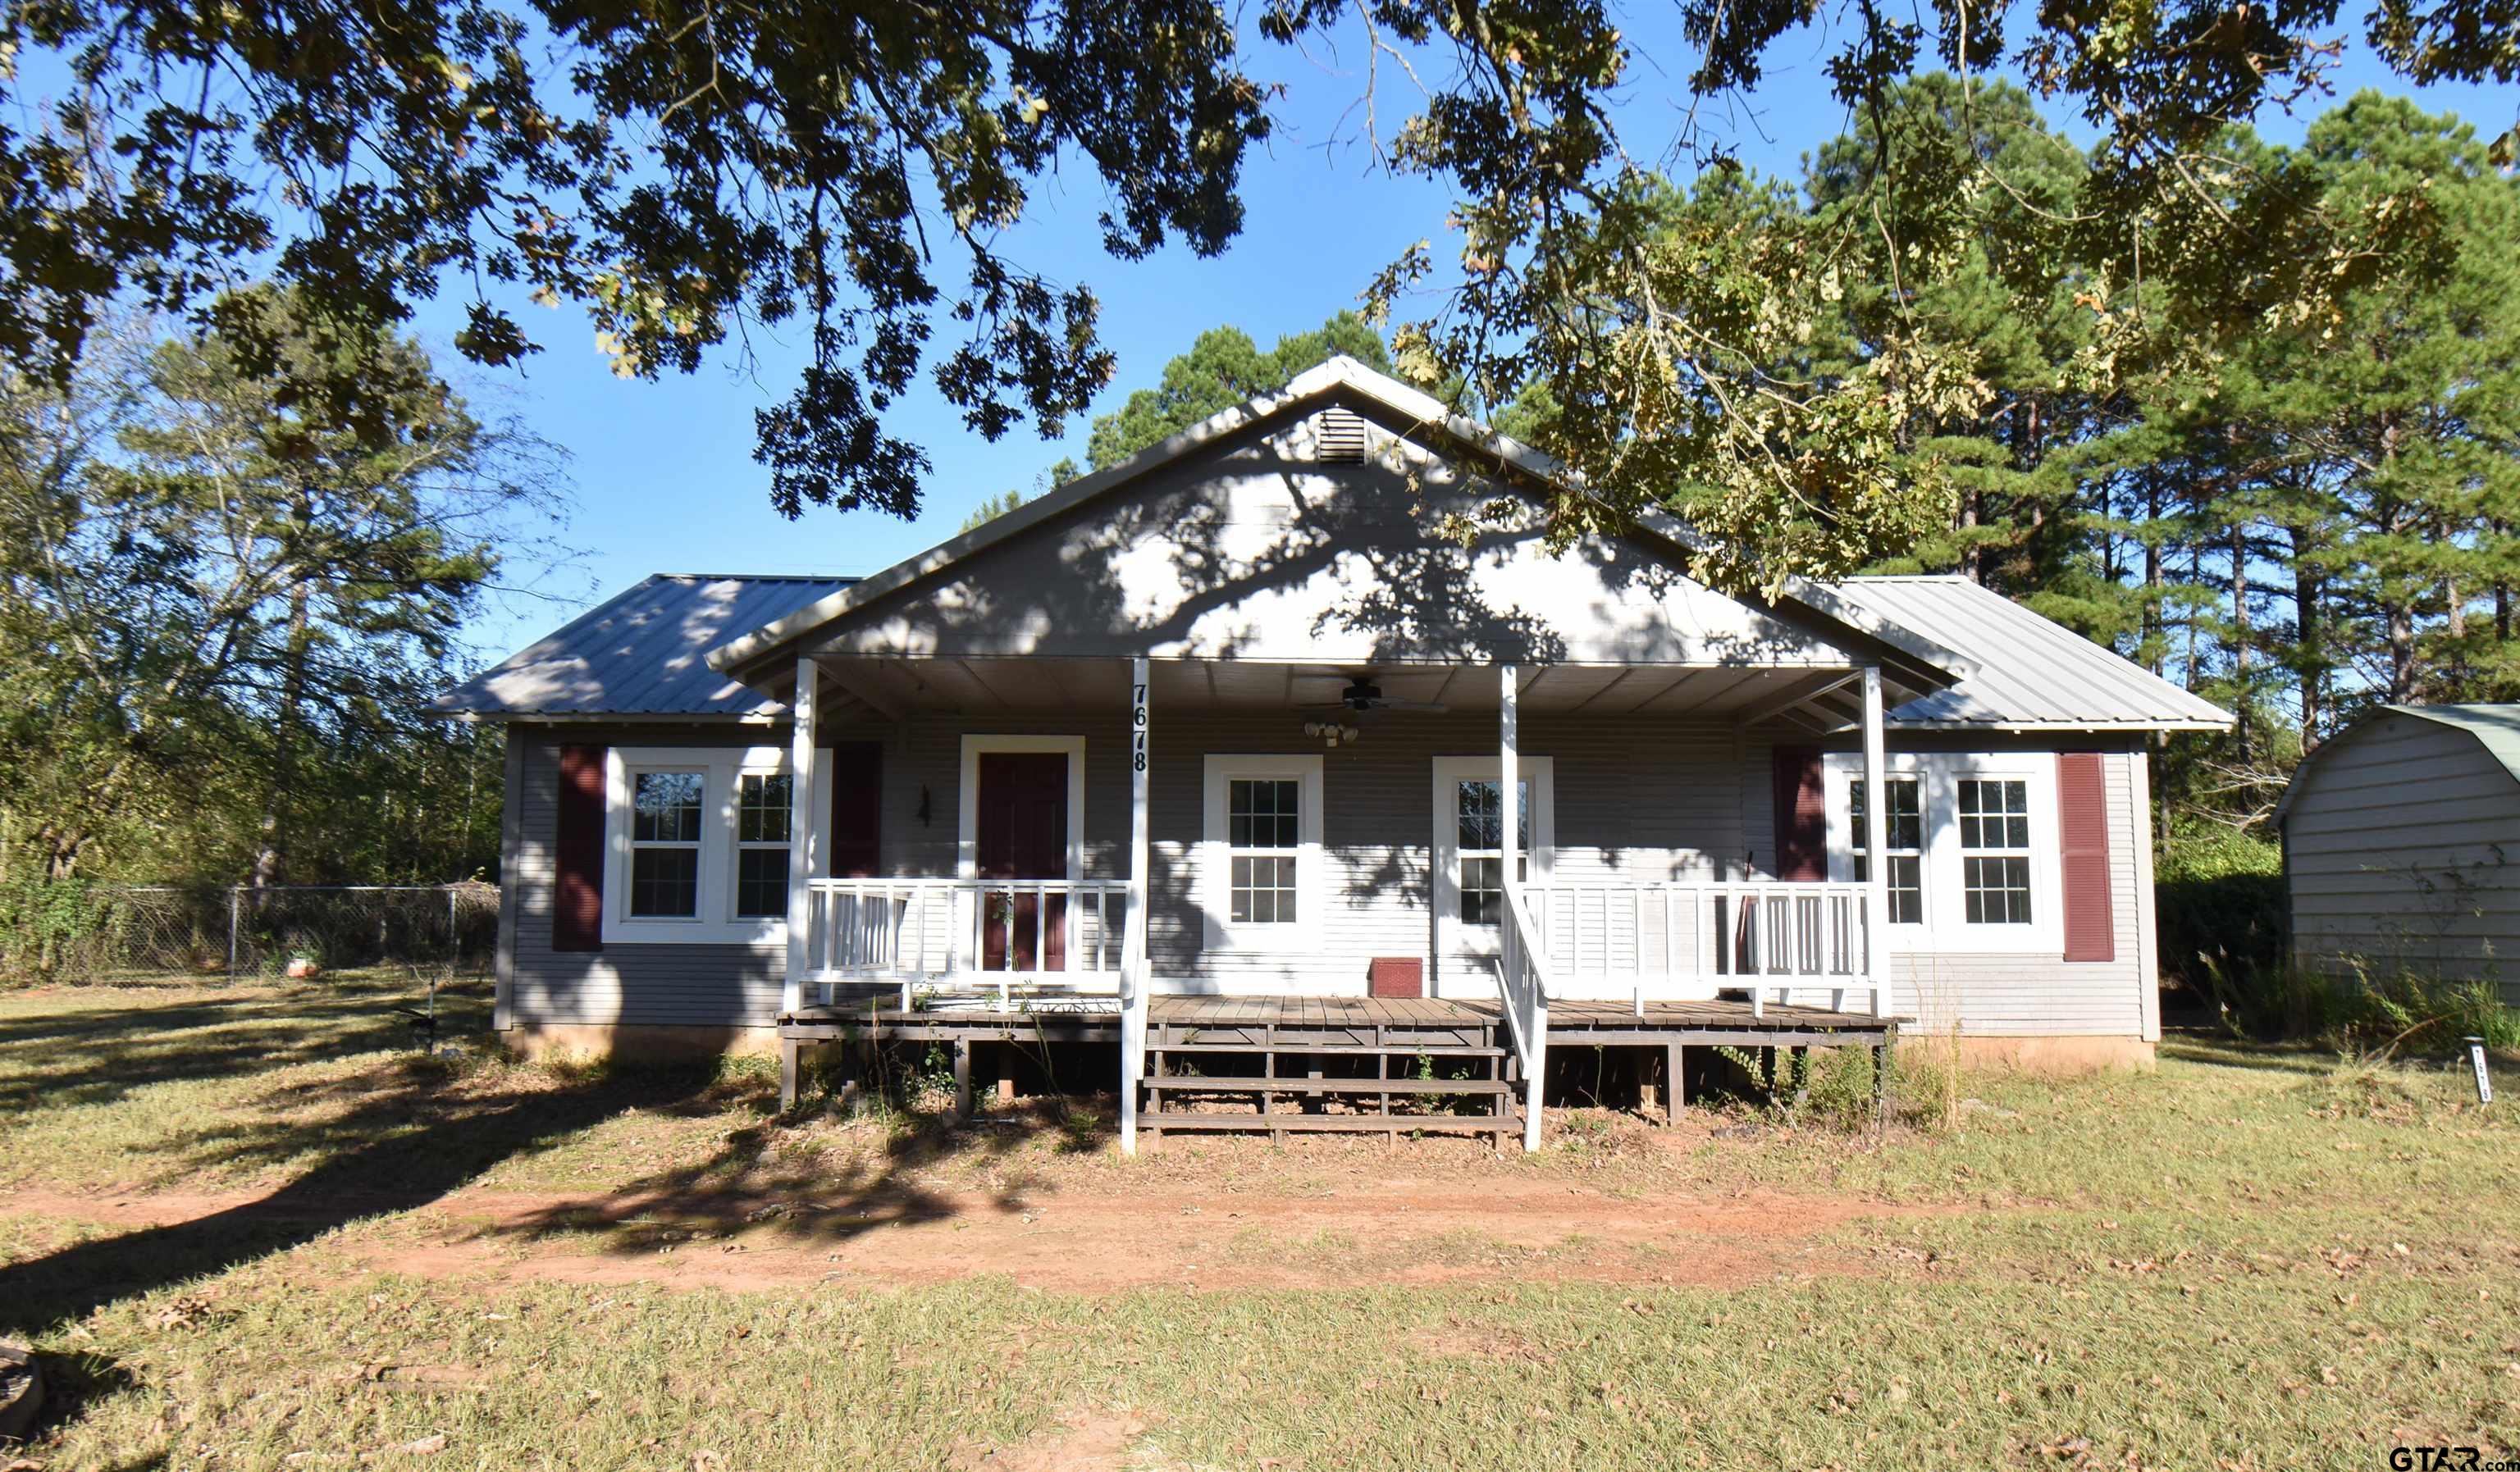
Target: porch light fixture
[1332,732]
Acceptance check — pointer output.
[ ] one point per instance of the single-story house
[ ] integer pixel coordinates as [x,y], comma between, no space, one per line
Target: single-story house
[1299,707]
[2402,846]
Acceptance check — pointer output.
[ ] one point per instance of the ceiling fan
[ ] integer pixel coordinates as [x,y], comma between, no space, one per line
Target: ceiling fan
[1362,694]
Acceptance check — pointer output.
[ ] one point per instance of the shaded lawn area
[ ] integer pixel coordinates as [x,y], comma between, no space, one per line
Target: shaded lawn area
[2253,1259]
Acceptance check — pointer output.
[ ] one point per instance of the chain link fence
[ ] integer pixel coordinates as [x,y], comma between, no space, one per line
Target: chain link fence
[92,932]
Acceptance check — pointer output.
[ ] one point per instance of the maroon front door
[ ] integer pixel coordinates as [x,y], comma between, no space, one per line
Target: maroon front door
[1022,834]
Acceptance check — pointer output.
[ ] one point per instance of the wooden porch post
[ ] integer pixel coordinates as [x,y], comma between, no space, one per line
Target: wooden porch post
[1509,855]
[1133,946]
[800,832]
[1876,867]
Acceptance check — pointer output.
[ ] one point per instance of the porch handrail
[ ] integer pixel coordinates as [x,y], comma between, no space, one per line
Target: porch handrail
[1524,984]
[1763,935]
[931,931]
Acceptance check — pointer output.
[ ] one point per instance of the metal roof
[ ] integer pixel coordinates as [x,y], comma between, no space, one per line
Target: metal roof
[641,652]
[2029,670]
[2496,728]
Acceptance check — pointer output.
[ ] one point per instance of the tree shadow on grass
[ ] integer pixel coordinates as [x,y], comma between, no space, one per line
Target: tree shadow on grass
[2221,1050]
[102,1054]
[810,1199]
[420,1142]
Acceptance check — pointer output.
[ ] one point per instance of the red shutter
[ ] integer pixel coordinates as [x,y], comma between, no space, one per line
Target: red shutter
[2082,838]
[857,808]
[1802,815]
[577,852]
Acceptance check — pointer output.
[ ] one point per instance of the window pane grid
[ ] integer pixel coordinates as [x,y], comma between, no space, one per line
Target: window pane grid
[1262,813]
[763,808]
[667,808]
[1903,839]
[1264,830]
[664,881]
[1997,891]
[1263,890]
[1479,810]
[760,882]
[1994,815]
[665,836]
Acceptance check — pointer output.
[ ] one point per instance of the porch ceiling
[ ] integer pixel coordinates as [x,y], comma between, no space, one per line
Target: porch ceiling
[890,688]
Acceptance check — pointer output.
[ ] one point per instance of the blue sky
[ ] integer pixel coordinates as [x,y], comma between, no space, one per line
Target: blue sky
[661,474]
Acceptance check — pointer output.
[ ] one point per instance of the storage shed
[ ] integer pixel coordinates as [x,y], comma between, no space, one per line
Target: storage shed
[2402,845]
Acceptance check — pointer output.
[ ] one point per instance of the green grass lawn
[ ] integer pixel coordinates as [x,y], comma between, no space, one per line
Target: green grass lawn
[2252,1258]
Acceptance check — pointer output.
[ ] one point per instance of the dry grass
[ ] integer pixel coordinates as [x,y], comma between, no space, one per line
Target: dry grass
[2253,1259]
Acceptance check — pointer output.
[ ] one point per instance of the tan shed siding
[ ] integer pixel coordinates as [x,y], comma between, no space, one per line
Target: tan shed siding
[2403,849]
[2043,995]
[722,985]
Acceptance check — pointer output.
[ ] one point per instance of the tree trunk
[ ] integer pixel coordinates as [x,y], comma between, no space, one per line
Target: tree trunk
[2154,635]
[2240,636]
[1971,567]
[271,861]
[2400,618]
[2501,586]
[2307,659]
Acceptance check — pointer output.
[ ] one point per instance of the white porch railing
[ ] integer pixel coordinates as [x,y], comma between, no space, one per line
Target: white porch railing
[1524,986]
[1691,941]
[972,936]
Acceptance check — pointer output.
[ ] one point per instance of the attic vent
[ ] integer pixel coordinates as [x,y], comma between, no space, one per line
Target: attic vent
[1340,438]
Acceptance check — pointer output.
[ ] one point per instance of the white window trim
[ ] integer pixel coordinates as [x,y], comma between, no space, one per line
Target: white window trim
[1938,775]
[719,767]
[966,843]
[1214,869]
[1845,841]
[1452,936]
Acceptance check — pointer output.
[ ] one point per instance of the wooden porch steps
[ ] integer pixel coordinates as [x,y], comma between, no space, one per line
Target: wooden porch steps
[1196,1084]
[1344,1124]
[1317,1056]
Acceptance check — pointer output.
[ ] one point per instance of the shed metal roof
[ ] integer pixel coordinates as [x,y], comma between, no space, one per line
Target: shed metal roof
[642,653]
[2495,728]
[2029,671]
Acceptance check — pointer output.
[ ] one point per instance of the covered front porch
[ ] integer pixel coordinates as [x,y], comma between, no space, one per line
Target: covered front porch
[1105,870]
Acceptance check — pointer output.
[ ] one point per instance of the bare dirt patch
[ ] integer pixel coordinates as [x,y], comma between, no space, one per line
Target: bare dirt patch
[1085,1439]
[1400,1232]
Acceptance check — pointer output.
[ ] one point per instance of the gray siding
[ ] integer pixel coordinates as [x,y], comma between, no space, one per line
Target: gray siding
[1635,800]
[2041,994]
[1256,550]
[721,986]
[1682,814]
[2403,851]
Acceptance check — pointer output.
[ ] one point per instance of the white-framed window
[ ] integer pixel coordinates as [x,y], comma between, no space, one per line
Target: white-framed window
[1478,825]
[1903,843]
[762,820]
[1260,864]
[1995,849]
[1264,850]
[695,843]
[665,809]
[1470,839]
[1979,840]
